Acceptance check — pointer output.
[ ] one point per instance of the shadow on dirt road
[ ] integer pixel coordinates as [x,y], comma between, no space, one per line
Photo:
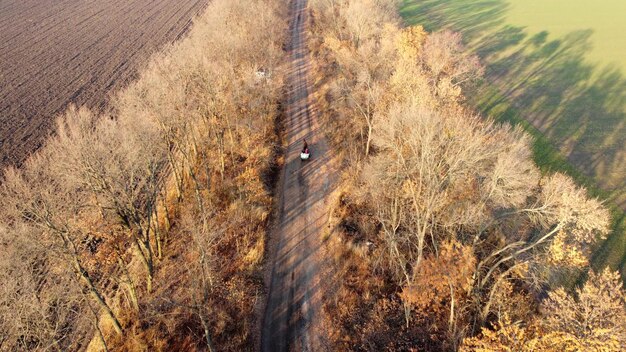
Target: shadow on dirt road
[291,321]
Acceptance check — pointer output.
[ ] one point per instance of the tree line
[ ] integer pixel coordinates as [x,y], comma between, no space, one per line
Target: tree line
[144,228]
[450,237]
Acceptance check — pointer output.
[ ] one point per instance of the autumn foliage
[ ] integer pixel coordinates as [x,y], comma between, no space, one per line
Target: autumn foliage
[590,319]
[445,227]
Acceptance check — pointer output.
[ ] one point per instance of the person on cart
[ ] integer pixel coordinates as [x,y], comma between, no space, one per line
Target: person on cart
[304,154]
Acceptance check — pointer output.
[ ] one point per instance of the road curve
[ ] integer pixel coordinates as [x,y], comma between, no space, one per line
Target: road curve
[291,320]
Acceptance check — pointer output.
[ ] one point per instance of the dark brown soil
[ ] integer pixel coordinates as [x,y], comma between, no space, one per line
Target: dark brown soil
[56,52]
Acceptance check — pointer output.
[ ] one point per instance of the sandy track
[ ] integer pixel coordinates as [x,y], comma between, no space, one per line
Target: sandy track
[292,316]
[53,52]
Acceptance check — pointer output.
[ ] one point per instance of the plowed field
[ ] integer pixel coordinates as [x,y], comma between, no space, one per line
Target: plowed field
[56,52]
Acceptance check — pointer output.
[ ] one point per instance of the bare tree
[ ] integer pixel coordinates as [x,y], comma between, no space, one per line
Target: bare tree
[38,300]
[204,279]
[591,319]
[360,25]
[561,208]
[117,164]
[449,64]
[447,173]
[364,65]
[48,208]
[594,315]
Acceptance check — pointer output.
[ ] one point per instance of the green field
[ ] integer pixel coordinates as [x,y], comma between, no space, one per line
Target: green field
[557,68]
[606,18]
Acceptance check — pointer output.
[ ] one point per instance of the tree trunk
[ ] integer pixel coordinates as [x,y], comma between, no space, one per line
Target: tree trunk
[131,284]
[96,323]
[177,177]
[451,319]
[147,262]
[84,276]
[369,138]
[168,224]
[157,231]
[95,294]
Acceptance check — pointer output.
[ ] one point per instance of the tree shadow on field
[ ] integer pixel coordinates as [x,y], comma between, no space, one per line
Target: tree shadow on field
[576,110]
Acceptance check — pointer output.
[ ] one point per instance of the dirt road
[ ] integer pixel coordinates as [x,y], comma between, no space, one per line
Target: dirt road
[291,321]
[53,52]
